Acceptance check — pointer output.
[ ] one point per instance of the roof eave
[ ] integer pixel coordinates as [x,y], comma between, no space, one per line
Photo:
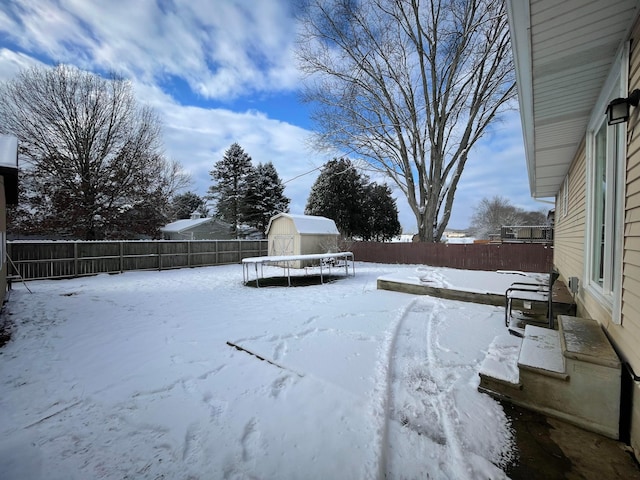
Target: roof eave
[520,28]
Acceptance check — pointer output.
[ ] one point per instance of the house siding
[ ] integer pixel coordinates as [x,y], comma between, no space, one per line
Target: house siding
[3,238]
[569,230]
[627,335]
[570,240]
[212,230]
[569,249]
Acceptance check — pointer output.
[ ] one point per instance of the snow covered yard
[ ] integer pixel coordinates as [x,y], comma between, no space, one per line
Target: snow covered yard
[130,376]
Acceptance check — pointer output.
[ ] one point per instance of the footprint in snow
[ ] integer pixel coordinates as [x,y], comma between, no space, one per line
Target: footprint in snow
[217,407]
[250,440]
[280,351]
[280,384]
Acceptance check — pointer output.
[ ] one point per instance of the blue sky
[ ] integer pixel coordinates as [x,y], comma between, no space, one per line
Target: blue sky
[224,71]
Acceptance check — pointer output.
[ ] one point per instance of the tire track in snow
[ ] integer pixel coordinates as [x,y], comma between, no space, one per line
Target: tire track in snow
[420,416]
[382,392]
[443,401]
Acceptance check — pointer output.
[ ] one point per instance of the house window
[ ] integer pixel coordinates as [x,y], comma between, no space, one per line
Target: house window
[565,196]
[605,185]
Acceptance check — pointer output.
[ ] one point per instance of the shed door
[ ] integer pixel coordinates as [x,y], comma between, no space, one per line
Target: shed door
[282,245]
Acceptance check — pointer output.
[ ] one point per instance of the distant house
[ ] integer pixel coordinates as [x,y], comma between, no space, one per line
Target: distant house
[8,196]
[301,235]
[197,228]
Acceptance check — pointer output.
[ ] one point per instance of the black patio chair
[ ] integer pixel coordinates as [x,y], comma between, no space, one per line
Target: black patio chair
[534,293]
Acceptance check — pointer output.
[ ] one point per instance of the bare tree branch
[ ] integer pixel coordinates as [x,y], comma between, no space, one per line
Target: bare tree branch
[94,157]
[410,86]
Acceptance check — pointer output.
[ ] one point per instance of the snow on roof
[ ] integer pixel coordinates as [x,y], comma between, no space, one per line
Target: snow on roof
[309,224]
[182,225]
[8,151]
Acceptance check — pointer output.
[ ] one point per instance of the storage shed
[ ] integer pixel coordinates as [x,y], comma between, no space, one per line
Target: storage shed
[301,235]
[196,228]
[8,196]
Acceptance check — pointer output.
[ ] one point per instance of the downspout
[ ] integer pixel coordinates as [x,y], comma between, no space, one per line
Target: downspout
[626,394]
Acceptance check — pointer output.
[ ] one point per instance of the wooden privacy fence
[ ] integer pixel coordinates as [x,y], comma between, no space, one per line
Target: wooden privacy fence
[64,259]
[529,257]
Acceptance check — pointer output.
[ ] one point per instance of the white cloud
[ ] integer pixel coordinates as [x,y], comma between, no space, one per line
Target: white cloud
[221,49]
[198,137]
[496,166]
[11,63]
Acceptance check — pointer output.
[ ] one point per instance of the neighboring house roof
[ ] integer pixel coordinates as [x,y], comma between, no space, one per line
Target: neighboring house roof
[180,226]
[309,224]
[563,52]
[9,167]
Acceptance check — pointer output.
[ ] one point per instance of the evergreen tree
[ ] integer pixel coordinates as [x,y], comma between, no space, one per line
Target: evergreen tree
[230,176]
[338,194]
[263,197]
[380,206]
[185,204]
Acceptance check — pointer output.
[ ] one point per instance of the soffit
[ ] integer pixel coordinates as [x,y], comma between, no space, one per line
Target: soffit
[563,54]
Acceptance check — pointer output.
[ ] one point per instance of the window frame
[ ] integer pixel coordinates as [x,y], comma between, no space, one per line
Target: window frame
[609,292]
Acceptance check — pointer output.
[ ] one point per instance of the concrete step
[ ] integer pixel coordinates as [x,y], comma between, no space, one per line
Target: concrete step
[571,373]
[541,352]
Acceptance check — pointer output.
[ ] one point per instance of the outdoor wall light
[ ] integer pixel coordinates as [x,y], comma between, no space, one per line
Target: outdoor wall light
[618,109]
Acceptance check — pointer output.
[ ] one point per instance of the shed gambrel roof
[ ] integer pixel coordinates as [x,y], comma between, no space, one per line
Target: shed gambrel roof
[309,224]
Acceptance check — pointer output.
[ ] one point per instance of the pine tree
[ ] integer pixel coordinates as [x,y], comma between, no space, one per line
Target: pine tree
[263,197]
[382,210]
[185,204]
[229,176]
[338,194]
[359,208]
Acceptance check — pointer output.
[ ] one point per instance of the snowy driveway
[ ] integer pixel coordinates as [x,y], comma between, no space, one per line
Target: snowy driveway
[131,376]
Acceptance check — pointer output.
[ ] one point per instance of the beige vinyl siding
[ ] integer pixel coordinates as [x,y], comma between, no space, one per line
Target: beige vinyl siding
[570,239]
[627,335]
[569,229]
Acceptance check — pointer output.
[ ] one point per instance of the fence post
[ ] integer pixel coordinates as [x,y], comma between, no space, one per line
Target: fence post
[159,256]
[188,253]
[75,259]
[239,251]
[10,258]
[121,256]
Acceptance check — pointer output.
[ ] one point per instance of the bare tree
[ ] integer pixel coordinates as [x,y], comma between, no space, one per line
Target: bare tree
[410,86]
[93,157]
[493,213]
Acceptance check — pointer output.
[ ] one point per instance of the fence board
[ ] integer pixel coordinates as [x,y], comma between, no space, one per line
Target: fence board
[39,260]
[60,259]
[530,257]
